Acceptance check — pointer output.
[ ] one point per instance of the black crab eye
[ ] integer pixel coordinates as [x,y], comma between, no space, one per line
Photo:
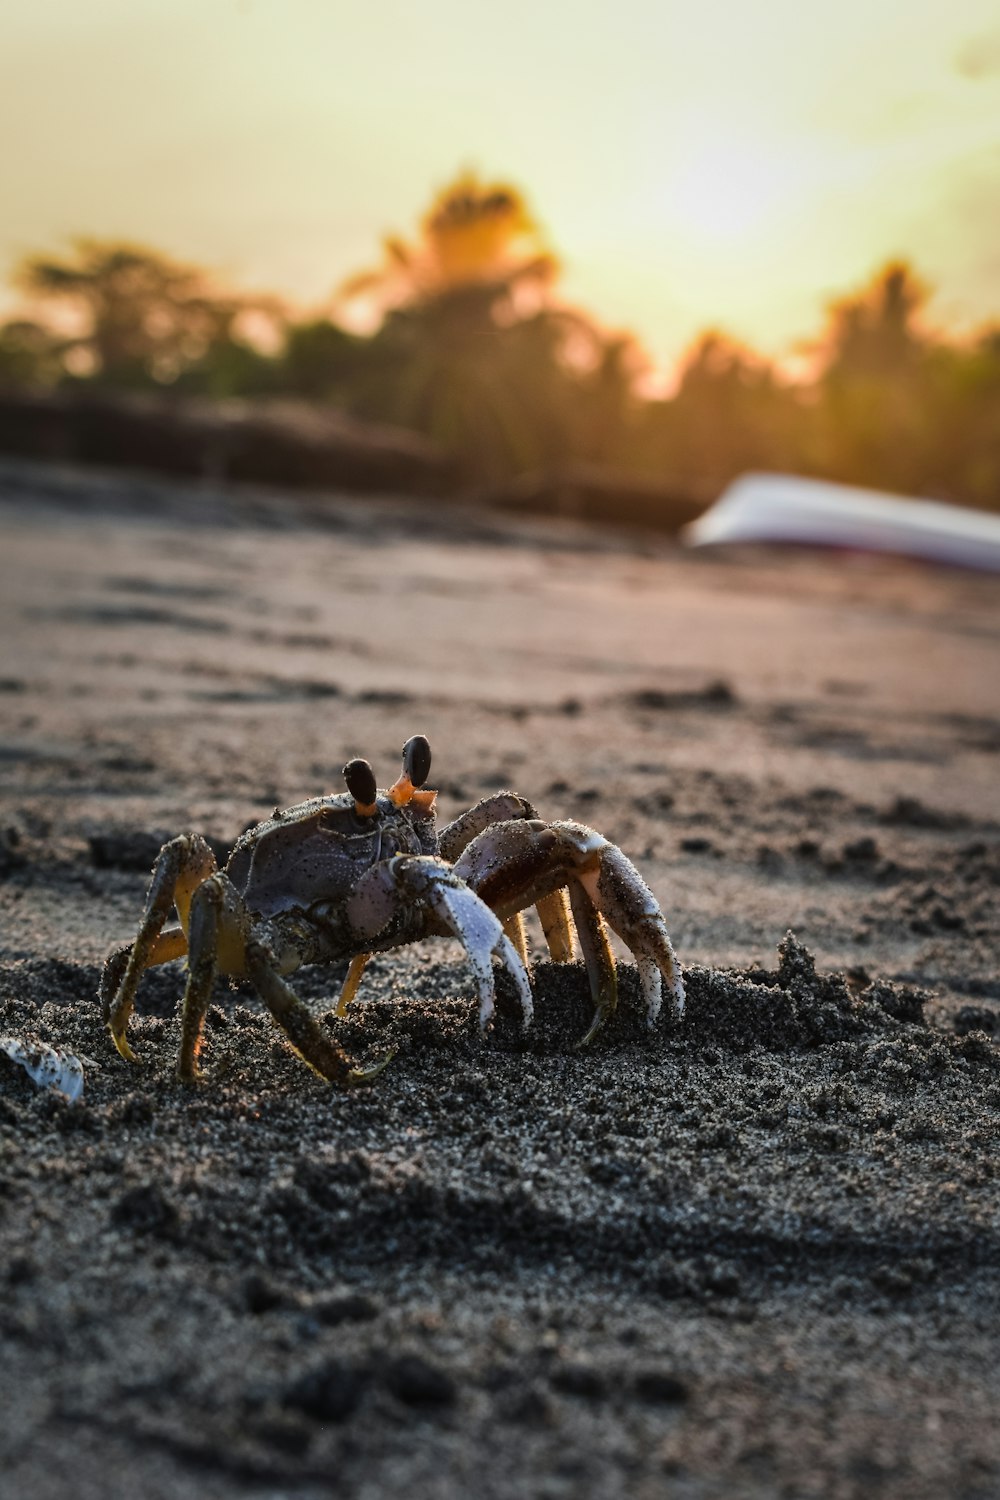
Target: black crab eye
[417,759]
[360,779]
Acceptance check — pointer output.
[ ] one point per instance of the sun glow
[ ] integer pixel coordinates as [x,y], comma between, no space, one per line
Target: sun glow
[726,189]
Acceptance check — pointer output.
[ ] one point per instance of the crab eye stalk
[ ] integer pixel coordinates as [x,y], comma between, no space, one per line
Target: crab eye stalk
[417,759]
[416,769]
[361,784]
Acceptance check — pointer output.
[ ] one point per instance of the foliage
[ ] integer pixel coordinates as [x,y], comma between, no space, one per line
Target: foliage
[469,350]
[472,348]
[137,317]
[473,235]
[30,355]
[730,413]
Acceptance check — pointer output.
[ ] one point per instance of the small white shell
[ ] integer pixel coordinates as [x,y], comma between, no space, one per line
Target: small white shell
[49,1067]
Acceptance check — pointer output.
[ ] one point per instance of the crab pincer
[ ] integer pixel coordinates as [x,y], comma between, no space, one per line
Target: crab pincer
[457,910]
[529,862]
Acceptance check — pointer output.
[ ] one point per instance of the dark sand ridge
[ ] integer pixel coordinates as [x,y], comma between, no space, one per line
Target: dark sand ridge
[756,1256]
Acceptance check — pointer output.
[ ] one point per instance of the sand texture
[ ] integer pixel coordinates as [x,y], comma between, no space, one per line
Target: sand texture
[753,1255]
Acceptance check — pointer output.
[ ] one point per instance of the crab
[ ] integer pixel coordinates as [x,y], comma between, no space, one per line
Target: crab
[353,873]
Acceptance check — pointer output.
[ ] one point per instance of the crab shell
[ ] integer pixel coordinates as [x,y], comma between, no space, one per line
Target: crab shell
[318,850]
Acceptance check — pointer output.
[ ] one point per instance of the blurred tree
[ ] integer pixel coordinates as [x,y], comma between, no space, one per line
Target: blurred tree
[31,356]
[471,349]
[230,366]
[875,331]
[320,360]
[473,235]
[141,317]
[976,433]
[607,411]
[961,417]
[730,413]
[875,388]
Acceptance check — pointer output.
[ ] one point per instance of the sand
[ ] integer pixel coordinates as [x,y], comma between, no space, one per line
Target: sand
[754,1255]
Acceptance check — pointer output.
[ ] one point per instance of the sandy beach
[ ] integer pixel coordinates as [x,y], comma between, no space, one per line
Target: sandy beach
[756,1254]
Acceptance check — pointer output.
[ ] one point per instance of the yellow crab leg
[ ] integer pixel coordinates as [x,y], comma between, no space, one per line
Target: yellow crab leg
[180,868]
[217,939]
[514,928]
[554,918]
[311,1041]
[602,971]
[164,947]
[358,965]
[203,959]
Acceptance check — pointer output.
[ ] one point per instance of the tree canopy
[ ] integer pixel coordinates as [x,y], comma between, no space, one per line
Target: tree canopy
[136,316]
[470,344]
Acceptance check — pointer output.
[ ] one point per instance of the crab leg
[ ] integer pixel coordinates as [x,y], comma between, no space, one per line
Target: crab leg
[506,807]
[207,916]
[220,941]
[358,965]
[514,928]
[180,868]
[501,807]
[620,893]
[602,971]
[554,917]
[171,943]
[313,1044]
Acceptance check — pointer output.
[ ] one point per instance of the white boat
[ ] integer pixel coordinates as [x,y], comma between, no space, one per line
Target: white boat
[814,512]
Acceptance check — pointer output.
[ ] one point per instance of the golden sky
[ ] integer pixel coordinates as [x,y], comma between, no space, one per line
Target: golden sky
[734,163]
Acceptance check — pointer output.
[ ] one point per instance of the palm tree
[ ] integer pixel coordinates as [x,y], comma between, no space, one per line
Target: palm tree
[472,349]
[473,236]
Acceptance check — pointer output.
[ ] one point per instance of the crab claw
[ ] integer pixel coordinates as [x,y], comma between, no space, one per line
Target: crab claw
[481,933]
[519,863]
[452,907]
[622,896]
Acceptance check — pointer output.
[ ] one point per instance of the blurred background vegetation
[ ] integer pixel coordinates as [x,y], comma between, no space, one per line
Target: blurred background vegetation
[469,345]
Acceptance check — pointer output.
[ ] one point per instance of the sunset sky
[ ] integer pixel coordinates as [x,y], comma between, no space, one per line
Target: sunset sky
[727,164]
